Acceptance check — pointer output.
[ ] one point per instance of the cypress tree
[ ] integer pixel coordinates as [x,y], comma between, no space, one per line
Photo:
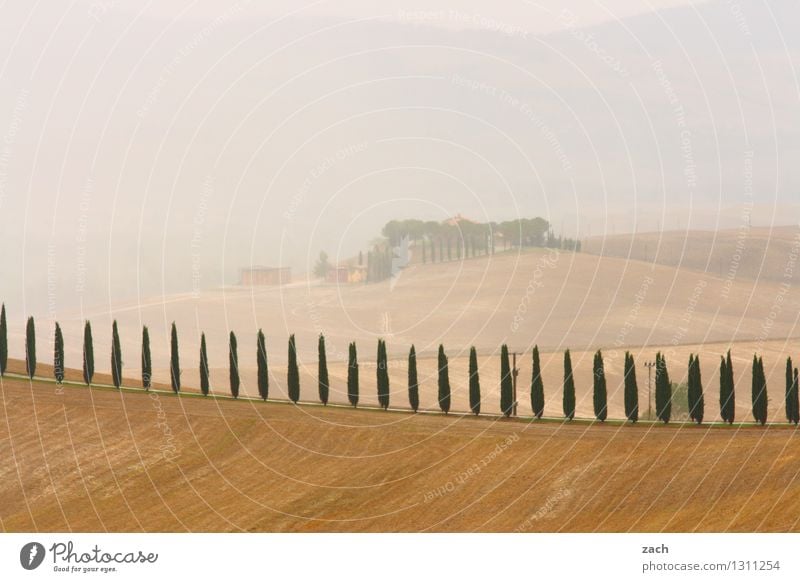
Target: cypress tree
[731,388]
[537,386]
[759,391]
[293,375]
[723,389]
[727,393]
[147,362]
[600,392]
[3,340]
[474,382]
[174,361]
[382,376]
[262,367]
[205,384]
[322,371]
[116,356]
[506,383]
[663,390]
[795,388]
[631,389]
[568,402]
[695,395]
[233,364]
[691,397]
[444,381]
[88,354]
[352,375]
[30,348]
[413,383]
[58,355]
[792,404]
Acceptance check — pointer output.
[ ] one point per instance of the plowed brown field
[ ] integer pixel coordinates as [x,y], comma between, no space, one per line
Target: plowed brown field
[79,459]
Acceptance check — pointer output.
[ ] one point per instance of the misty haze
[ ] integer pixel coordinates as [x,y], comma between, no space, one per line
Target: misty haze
[312,240]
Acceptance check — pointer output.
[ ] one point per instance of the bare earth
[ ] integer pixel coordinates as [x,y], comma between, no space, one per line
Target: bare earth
[79,459]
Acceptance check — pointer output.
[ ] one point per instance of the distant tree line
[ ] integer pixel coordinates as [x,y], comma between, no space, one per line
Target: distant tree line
[437,242]
[665,393]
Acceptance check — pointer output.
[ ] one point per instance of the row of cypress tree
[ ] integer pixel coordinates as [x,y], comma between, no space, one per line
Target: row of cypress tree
[663,385]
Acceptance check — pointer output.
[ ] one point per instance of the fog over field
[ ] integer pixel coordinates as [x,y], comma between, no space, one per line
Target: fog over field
[151,151]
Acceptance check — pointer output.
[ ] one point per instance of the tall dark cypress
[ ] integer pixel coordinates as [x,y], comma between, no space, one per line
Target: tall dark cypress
[233,364]
[663,390]
[413,382]
[600,392]
[795,388]
[147,361]
[695,392]
[444,381]
[88,354]
[293,374]
[759,391]
[262,366]
[506,383]
[690,393]
[322,371]
[116,356]
[352,375]
[763,396]
[727,393]
[474,382]
[568,400]
[792,404]
[3,340]
[631,389]
[58,355]
[383,376]
[537,386]
[205,384]
[174,361]
[30,348]
[723,388]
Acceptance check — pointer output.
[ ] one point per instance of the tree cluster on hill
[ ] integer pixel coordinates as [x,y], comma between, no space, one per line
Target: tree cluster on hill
[465,238]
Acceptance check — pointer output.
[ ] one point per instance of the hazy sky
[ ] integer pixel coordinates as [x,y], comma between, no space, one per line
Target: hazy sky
[155,149]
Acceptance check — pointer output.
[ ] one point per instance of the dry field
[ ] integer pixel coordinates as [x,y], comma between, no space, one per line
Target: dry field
[79,459]
[747,252]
